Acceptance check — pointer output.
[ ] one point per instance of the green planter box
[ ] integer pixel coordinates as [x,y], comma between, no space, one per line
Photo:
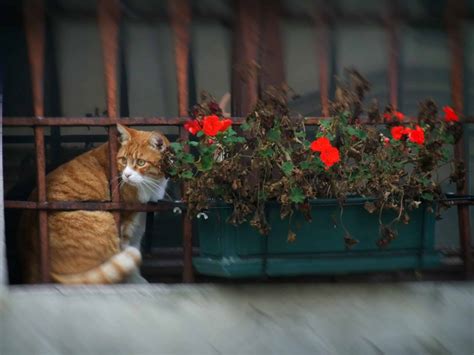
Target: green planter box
[233,252]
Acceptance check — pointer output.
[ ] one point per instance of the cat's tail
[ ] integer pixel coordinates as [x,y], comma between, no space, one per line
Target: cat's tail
[114,270]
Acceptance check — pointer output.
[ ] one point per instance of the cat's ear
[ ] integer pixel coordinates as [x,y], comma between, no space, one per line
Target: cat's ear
[157,142]
[124,133]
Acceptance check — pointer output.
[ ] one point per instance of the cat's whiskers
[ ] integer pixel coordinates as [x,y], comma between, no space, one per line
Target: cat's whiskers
[153,184]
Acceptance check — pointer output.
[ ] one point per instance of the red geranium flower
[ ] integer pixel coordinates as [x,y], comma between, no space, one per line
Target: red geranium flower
[450,115]
[417,135]
[330,156]
[320,144]
[398,132]
[397,114]
[226,124]
[192,126]
[211,125]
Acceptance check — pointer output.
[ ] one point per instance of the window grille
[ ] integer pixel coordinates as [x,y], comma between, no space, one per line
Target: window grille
[256,44]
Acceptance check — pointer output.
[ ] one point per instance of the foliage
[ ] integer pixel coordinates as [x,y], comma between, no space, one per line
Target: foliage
[272,157]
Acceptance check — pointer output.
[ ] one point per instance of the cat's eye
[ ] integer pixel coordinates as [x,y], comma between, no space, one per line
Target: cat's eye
[141,162]
[123,160]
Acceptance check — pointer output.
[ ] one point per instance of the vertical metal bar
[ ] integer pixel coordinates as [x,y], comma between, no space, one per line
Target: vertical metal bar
[180,15]
[245,57]
[323,49]
[108,18]
[272,72]
[35,36]
[394,53]
[456,44]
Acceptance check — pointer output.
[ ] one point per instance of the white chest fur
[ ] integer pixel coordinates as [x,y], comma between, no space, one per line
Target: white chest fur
[152,191]
[135,229]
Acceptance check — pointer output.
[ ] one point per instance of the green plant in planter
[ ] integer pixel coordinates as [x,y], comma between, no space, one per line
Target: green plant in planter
[271,157]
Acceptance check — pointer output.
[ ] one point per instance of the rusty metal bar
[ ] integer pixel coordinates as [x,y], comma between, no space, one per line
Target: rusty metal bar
[108,18]
[272,72]
[456,44]
[92,121]
[35,36]
[126,206]
[245,61]
[141,121]
[180,19]
[394,52]
[92,206]
[322,29]
[180,16]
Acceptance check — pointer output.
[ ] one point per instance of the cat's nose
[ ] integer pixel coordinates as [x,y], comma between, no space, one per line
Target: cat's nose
[127,175]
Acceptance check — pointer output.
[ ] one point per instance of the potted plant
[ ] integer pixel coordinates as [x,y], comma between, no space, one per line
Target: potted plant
[278,197]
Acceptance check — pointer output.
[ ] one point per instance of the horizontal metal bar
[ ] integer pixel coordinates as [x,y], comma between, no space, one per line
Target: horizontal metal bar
[92,121]
[72,138]
[168,252]
[159,206]
[93,206]
[139,121]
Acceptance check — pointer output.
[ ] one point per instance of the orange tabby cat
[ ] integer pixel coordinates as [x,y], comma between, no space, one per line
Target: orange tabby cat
[85,245]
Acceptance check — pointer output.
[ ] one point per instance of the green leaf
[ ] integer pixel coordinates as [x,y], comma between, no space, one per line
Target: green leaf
[325,123]
[274,135]
[193,143]
[446,153]
[200,134]
[188,158]
[239,139]
[245,126]
[300,134]
[187,175]
[177,147]
[206,163]
[449,139]
[356,132]
[305,165]
[287,168]
[425,181]
[427,196]
[267,153]
[173,172]
[296,195]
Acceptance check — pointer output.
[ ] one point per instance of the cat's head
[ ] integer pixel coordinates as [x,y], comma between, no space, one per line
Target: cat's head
[139,156]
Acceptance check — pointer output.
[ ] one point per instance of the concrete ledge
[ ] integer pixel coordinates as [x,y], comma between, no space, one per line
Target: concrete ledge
[395,318]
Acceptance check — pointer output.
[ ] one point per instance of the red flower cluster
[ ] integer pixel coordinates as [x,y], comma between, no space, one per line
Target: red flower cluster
[211,125]
[416,135]
[450,115]
[192,126]
[329,154]
[397,114]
